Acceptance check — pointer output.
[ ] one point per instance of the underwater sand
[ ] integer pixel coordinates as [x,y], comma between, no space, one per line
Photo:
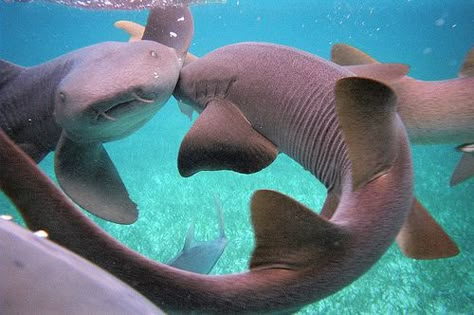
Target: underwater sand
[431,36]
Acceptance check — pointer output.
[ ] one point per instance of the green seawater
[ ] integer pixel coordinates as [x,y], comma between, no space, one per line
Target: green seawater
[430,36]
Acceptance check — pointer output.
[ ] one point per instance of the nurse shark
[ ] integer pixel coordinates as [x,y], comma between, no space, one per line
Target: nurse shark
[360,151]
[40,277]
[434,112]
[419,225]
[76,102]
[256,100]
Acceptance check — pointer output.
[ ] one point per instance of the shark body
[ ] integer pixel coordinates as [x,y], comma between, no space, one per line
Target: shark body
[40,277]
[76,102]
[300,257]
[256,100]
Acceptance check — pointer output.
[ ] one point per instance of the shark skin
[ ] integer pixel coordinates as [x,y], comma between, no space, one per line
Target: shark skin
[74,103]
[250,110]
[434,112]
[201,256]
[234,75]
[40,277]
[300,257]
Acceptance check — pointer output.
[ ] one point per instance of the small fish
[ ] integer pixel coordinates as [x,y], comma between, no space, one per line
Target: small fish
[125,4]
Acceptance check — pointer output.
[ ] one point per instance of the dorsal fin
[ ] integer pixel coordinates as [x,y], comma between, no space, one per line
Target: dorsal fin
[288,234]
[8,71]
[220,213]
[346,55]
[133,29]
[188,242]
[467,69]
[383,72]
[171,26]
[368,117]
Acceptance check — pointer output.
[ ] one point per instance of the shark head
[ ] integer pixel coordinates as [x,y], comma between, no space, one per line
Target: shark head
[115,88]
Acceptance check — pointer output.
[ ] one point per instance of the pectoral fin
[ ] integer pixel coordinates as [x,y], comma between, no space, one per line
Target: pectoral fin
[289,235]
[223,139]
[421,237]
[88,176]
[368,117]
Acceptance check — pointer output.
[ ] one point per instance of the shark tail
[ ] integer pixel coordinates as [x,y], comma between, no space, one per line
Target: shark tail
[421,237]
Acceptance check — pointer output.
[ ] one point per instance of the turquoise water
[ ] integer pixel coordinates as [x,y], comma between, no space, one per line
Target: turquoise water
[431,36]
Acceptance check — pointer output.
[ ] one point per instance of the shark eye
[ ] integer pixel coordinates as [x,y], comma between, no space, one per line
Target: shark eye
[62,96]
[154,54]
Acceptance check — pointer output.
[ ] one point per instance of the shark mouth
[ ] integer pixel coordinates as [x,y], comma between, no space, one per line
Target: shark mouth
[111,113]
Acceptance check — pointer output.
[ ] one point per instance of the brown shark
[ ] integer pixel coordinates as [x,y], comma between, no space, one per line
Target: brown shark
[257,100]
[434,112]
